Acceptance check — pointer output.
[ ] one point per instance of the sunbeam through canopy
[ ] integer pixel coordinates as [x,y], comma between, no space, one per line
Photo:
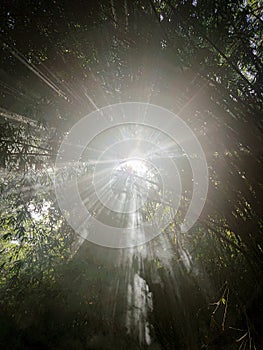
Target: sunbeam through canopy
[133,165]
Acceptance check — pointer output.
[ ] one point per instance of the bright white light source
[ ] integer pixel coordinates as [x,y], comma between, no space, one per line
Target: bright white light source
[134,166]
[132,177]
[149,139]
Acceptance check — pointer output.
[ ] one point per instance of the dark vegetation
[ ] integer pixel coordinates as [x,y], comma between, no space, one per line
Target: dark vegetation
[202,60]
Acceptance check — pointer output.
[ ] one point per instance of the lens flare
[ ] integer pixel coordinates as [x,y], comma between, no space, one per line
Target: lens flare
[137,158]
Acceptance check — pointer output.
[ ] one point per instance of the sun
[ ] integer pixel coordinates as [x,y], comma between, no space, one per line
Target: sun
[137,167]
[132,175]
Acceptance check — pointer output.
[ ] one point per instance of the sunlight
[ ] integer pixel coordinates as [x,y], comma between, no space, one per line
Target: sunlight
[133,176]
[134,167]
[137,166]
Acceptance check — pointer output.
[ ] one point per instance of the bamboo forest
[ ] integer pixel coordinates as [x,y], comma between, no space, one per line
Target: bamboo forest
[131,174]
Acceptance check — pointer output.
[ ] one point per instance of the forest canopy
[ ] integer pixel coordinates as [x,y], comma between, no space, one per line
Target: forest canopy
[60,61]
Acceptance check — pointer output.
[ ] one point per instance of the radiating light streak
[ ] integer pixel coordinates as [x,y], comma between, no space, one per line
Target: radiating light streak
[33,69]
[18,118]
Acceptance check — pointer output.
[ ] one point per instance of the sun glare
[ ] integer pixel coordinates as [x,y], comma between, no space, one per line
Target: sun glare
[135,166]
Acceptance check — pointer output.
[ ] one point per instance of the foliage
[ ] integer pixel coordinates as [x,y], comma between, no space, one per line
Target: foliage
[61,60]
